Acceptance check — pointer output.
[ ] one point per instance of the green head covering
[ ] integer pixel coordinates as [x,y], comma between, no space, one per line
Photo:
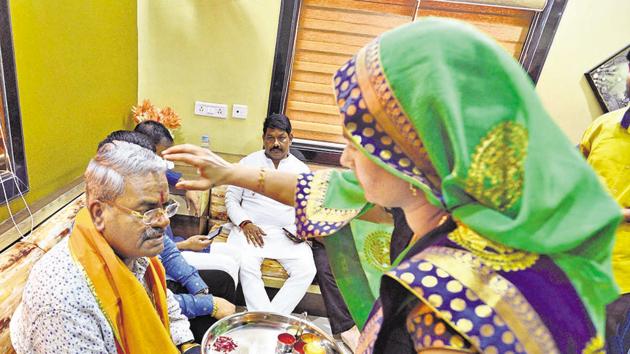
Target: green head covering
[443,107]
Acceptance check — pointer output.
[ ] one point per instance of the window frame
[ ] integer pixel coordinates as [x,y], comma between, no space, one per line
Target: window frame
[12,115]
[535,49]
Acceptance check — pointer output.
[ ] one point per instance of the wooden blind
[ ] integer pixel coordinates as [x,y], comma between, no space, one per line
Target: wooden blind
[535,5]
[508,26]
[329,32]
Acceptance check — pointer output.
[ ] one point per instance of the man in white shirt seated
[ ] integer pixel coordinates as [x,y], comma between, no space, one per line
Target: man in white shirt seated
[259,223]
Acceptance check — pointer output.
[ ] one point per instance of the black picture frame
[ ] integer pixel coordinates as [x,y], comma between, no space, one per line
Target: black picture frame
[14,180]
[608,81]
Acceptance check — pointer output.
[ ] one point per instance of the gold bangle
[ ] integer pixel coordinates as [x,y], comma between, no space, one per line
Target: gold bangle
[261,180]
[215,307]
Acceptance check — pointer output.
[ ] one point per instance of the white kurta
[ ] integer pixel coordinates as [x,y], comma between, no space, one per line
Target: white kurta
[271,216]
[222,256]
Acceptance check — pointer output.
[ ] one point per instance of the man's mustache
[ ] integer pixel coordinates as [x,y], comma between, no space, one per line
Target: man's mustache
[153,232]
[276,149]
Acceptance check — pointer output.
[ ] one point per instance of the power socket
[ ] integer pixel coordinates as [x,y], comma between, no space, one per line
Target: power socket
[239,111]
[206,109]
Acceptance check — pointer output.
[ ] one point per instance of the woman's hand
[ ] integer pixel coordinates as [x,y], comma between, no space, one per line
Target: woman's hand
[212,169]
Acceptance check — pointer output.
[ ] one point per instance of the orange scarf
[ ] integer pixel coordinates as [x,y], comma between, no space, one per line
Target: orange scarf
[137,326]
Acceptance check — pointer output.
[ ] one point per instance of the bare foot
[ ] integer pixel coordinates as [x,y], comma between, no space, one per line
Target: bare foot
[351,338]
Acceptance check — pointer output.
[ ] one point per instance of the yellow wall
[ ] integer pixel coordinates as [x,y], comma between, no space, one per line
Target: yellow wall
[77,76]
[589,32]
[215,51]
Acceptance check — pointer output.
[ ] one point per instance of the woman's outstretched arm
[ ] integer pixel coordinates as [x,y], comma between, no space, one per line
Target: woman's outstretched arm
[214,170]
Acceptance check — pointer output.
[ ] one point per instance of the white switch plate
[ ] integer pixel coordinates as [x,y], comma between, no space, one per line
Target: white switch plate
[216,110]
[239,111]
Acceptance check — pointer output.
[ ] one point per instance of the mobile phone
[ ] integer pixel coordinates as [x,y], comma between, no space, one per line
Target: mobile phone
[291,236]
[214,233]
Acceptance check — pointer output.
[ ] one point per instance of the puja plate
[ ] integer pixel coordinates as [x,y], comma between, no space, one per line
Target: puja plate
[256,332]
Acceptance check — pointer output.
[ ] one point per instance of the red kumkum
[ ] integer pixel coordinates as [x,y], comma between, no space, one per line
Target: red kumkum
[286,338]
[224,344]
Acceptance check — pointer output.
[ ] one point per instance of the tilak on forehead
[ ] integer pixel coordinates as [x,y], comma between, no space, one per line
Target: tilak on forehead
[162,197]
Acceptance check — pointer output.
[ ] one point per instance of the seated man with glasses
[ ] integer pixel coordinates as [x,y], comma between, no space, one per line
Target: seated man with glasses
[263,226]
[103,289]
[204,294]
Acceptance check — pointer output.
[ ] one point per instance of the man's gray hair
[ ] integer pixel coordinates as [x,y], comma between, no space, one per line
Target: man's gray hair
[115,161]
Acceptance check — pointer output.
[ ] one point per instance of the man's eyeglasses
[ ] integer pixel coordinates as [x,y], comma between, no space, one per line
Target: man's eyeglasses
[282,139]
[152,216]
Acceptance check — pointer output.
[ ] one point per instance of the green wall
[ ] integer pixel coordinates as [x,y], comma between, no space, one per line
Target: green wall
[215,51]
[77,75]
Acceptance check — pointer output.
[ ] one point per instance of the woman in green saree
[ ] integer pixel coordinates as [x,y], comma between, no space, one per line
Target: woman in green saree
[441,122]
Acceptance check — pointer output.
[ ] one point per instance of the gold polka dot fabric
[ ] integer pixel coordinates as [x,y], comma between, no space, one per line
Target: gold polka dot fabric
[428,330]
[313,217]
[450,314]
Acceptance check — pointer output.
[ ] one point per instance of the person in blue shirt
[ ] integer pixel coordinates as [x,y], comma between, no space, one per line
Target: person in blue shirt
[178,270]
[195,297]
[161,138]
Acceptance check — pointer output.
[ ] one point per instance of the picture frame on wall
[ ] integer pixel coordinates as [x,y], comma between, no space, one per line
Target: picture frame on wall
[608,81]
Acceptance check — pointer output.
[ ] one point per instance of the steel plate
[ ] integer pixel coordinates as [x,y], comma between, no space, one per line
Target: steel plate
[257,332]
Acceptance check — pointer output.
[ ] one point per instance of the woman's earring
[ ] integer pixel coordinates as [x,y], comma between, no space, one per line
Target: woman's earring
[413,190]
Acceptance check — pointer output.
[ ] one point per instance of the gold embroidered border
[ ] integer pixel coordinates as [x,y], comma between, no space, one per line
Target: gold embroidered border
[492,254]
[498,293]
[315,210]
[385,107]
